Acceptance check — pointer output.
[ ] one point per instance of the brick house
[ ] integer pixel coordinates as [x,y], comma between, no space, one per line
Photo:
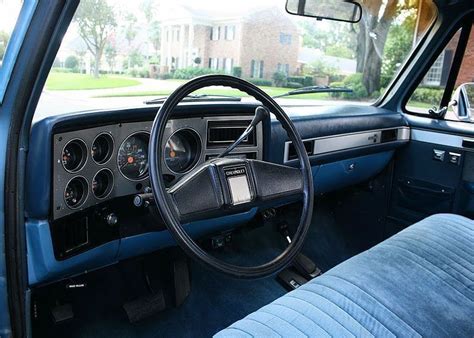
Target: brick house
[260,40]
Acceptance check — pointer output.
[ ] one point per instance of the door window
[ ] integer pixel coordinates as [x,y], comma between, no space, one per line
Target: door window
[431,90]
[15,16]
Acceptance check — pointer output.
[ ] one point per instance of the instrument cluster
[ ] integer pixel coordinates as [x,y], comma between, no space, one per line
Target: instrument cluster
[97,164]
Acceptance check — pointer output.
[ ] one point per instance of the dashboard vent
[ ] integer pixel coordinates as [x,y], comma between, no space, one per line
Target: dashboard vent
[223,133]
[308,145]
[389,135]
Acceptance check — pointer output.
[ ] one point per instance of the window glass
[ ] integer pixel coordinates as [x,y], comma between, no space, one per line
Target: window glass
[430,91]
[465,76]
[9,11]
[137,50]
[9,14]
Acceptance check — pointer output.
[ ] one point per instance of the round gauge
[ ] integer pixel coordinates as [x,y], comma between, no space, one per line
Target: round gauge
[74,155]
[182,150]
[102,183]
[132,158]
[102,148]
[76,192]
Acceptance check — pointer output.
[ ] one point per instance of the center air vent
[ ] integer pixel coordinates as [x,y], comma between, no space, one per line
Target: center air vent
[223,133]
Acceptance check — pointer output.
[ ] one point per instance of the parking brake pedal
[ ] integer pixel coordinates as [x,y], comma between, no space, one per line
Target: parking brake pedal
[306,267]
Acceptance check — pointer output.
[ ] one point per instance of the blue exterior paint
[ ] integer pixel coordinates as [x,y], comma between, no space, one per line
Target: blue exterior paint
[43,266]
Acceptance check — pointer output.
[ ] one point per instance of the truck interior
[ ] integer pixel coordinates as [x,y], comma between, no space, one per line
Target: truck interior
[252,182]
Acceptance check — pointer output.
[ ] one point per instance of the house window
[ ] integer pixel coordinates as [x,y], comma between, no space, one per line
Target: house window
[167,35]
[215,33]
[256,69]
[433,77]
[228,63]
[214,63]
[285,39]
[284,68]
[229,32]
[177,35]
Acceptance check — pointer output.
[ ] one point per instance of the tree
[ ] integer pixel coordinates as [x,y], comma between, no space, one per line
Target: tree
[96,21]
[149,9]
[72,62]
[130,30]
[373,31]
[336,35]
[154,35]
[339,50]
[110,55]
[399,44]
[4,37]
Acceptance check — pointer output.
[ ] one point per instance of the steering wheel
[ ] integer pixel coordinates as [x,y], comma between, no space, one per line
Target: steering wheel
[224,186]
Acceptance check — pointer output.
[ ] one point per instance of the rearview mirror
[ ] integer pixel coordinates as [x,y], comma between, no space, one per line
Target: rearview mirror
[338,10]
[463,99]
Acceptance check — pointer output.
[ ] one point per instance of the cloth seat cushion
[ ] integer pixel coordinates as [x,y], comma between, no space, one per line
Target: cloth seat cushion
[420,282]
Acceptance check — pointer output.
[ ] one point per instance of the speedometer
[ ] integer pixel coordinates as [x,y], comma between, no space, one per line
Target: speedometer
[132,158]
[182,150]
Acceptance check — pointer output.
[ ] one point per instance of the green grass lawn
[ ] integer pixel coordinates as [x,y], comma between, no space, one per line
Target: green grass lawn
[272,91]
[74,81]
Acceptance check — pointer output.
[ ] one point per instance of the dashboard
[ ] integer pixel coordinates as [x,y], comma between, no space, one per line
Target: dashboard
[85,170]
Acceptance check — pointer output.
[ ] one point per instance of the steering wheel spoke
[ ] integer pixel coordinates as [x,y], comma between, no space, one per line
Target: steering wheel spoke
[226,186]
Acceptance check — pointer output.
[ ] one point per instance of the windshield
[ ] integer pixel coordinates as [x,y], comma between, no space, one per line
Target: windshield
[122,53]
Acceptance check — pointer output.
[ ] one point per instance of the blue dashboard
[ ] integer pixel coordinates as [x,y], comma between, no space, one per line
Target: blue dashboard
[346,145]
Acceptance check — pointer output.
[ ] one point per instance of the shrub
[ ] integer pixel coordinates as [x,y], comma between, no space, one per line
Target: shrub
[293,85]
[299,79]
[133,72]
[237,71]
[308,81]
[192,72]
[60,70]
[279,79]
[260,82]
[336,84]
[144,73]
[354,82]
[165,76]
[427,95]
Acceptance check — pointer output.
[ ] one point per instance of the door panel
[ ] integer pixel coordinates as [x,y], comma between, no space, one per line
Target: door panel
[434,173]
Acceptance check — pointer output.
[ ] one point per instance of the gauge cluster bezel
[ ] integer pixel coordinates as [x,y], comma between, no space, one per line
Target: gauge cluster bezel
[119,132]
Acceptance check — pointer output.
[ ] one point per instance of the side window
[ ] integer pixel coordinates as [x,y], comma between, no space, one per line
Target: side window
[430,91]
[15,16]
[433,86]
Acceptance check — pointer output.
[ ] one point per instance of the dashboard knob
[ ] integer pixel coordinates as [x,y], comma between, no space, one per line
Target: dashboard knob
[111,219]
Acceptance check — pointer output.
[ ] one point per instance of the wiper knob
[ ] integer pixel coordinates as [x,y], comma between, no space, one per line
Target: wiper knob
[261,113]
